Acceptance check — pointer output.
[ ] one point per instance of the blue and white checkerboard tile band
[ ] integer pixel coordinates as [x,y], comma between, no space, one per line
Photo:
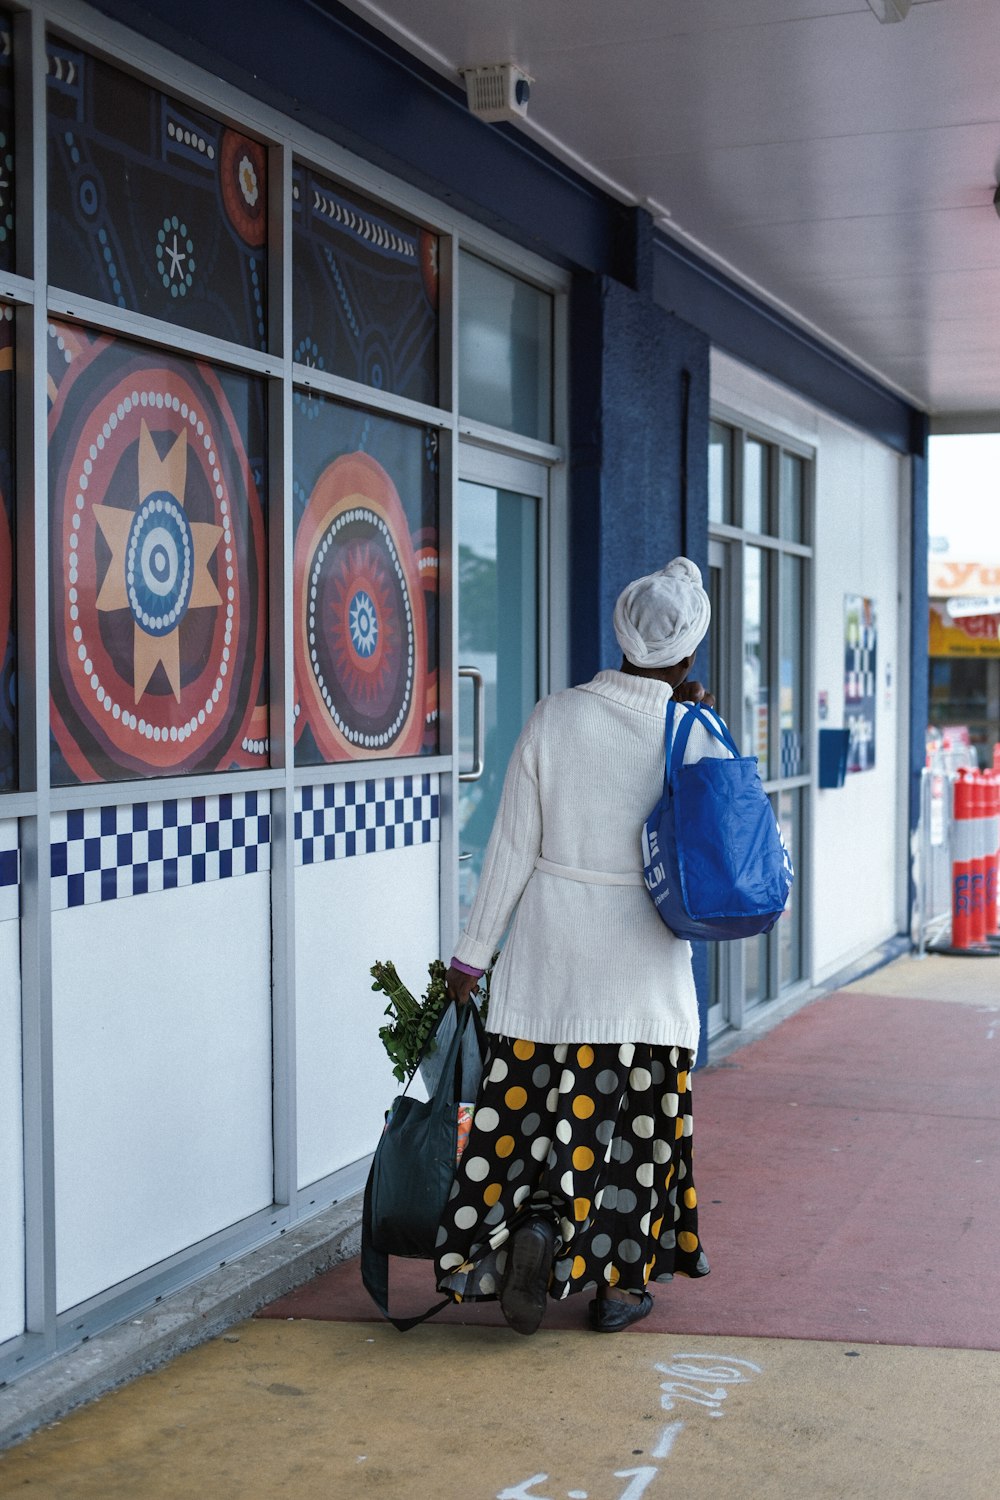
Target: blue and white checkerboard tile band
[105,853]
[791,752]
[345,818]
[9,870]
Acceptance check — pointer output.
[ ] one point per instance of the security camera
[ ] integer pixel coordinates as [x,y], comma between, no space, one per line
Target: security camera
[498,91]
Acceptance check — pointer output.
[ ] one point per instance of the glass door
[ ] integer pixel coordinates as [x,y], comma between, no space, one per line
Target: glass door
[500,515]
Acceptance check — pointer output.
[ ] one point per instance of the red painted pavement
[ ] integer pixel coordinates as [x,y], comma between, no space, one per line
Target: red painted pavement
[848,1171]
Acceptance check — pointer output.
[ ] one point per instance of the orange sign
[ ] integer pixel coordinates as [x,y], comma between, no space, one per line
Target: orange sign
[949,579]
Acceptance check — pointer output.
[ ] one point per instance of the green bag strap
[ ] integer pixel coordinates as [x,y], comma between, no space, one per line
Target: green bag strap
[375,1274]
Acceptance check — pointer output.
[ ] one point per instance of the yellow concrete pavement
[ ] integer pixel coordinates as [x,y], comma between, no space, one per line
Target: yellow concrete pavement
[327,1411]
[965,981]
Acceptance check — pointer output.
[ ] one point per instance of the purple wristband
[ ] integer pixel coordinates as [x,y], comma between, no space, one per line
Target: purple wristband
[467,969]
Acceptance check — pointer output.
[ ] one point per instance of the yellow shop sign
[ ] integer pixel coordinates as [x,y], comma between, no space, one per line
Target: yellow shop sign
[969,635]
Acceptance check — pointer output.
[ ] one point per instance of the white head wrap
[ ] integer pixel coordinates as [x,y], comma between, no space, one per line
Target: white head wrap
[661,618]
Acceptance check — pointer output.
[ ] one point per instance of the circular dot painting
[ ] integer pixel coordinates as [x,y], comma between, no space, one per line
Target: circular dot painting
[158,566]
[361,654]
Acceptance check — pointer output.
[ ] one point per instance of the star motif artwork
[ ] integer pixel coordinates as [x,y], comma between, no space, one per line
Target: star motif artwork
[159,562]
[177,259]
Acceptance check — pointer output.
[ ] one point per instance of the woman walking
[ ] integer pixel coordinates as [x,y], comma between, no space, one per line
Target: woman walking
[577,1176]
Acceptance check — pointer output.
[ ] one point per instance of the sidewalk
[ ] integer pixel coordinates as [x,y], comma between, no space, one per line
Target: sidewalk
[845,1345]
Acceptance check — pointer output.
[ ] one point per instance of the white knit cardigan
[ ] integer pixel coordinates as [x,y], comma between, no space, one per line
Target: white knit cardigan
[584,961]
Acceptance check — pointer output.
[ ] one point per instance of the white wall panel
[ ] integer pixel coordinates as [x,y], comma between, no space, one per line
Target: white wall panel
[162,1075]
[852,877]
[349,913]
[11,1152]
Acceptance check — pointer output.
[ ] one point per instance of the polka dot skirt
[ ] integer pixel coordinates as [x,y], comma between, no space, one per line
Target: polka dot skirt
[596,1139]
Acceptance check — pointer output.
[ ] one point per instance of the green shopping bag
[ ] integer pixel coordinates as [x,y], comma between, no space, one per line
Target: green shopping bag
[412,1172]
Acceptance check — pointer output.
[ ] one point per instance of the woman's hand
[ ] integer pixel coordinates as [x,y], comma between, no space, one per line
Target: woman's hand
[693,692]
[460,985]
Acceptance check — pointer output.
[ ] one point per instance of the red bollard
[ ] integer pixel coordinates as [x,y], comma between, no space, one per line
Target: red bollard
[963,855]
[977,888]
[992,782]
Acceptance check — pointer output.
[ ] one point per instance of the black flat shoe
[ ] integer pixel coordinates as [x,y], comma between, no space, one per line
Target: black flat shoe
[526,1280]
[608,1315]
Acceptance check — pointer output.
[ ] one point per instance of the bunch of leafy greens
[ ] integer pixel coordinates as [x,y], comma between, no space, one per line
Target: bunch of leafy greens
[412,1022]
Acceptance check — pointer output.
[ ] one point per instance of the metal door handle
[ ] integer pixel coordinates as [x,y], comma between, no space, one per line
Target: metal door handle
[478,723]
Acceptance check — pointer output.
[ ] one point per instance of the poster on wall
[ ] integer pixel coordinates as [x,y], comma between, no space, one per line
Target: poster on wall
[8,652]
[365,584]
[860,643]
[153,206]
[157,563]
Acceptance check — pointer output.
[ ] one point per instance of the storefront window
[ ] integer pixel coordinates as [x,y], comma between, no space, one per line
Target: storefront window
[366,570]
[154,206]
[720,474]
[791,666]
[158,562]
[791,498]
[505,350]
[756,494]
[756,693]
[365,299]
[8,617]
[789,814]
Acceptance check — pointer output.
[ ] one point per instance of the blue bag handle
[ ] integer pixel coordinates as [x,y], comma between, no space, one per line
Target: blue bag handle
[676,744]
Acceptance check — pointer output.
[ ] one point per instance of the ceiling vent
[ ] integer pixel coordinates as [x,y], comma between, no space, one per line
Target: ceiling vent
[890,10]
[498,91]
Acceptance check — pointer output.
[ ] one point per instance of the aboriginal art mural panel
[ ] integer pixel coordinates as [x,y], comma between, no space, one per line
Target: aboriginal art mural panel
[153,206]
[365,292]
[366,584]
[6,147]
[8,652]
[158,562]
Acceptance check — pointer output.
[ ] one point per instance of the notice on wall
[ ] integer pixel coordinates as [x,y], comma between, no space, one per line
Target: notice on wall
[860,644]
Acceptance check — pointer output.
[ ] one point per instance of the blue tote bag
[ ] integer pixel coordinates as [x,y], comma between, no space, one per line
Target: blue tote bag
[715,863]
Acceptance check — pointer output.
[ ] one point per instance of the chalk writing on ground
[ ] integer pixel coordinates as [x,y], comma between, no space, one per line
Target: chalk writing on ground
[701,1380]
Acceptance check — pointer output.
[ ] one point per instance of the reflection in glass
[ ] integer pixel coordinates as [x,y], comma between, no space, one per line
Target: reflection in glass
[365,290]
[755,486]
[504,350]
[755,969]
[498,633]
[365,581]
[790,924]
[791,667]
[158,562]
[720,473]
[6,146]
[153,206]
[756,699]
[8,616]
[792,501]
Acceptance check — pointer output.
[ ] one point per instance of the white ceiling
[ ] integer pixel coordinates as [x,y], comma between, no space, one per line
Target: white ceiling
[843,168]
